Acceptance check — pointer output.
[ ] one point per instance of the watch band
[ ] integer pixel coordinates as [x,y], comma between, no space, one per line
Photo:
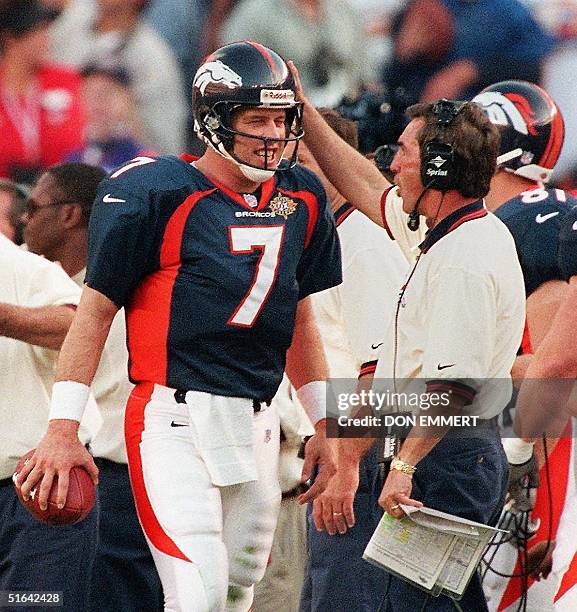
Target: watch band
[401,466]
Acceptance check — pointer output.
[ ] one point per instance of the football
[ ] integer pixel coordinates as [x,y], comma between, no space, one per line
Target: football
[79,501]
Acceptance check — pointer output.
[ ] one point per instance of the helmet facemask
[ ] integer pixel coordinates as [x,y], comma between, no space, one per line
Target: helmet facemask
[214,127]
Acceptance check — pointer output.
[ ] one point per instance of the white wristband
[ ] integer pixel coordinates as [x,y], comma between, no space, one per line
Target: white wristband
[517,450]
[313,397]
[69,399]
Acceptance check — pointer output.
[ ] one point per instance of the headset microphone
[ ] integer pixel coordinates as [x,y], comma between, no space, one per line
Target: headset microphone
[414,220]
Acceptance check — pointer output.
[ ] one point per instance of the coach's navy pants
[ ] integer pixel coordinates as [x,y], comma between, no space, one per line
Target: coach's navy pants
[463,476]
[336,576]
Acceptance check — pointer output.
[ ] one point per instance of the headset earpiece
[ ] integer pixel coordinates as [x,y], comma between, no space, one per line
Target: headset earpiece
[438,160]
[437,165]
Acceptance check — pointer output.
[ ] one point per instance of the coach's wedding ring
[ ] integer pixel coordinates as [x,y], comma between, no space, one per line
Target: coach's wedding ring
[395,507]
[337,513]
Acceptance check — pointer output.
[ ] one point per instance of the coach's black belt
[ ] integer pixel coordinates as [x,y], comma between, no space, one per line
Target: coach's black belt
[257,406]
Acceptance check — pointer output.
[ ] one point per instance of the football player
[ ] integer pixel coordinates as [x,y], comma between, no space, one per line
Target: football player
[214,260]
[532,134]
[545,396]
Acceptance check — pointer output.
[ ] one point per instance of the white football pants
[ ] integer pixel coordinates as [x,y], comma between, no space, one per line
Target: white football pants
[205,479]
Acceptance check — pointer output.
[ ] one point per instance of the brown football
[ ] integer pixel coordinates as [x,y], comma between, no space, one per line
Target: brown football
[79,501]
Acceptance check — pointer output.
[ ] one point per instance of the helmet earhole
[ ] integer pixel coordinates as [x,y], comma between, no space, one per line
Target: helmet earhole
[212,122]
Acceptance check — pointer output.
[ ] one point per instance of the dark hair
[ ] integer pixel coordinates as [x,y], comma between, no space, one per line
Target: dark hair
[345,128]
[114,71]
[17,17]
[475,141]
[18,194]
[78,183]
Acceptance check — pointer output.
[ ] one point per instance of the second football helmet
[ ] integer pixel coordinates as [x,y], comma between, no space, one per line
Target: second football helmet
[531,126]
[244,74]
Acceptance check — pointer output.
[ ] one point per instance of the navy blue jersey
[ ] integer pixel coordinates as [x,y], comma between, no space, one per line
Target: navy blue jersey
[534,218]
[210,278]
[568,245]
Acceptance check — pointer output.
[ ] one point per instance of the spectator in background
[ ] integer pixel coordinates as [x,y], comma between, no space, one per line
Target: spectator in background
[115,31]
[439,52]
[377,16]
[324,37]
[216,12]
[180,24]
[12,200]
[113,128]
[40,104]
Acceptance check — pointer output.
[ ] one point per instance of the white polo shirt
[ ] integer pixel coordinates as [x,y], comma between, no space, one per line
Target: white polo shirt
[462,313]
[26,371]
[111,389]
[348,315]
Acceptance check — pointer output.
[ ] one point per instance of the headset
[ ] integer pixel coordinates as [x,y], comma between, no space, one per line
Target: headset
[439,161]
[440,168]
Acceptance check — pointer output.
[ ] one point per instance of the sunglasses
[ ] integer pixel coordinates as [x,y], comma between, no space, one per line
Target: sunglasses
[31,207]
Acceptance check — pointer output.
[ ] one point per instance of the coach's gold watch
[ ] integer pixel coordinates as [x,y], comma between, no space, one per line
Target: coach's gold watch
[401,466]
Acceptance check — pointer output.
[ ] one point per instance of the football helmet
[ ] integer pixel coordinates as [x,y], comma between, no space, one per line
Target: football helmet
[531,126]
[244,74]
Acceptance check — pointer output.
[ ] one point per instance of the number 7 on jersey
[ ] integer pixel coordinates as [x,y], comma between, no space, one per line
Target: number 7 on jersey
[246,239]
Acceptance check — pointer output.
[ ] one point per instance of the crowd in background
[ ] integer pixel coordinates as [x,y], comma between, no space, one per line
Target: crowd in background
[105,80]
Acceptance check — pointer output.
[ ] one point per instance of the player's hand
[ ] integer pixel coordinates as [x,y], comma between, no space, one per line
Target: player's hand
[58,451]
[540,559]
[318,451]
[333,509]
[397,490]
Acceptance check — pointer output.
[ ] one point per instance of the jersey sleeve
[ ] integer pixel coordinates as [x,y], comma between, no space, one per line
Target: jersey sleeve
[567,254]
[320,265]
[395,221]
[120,239]
[537,245]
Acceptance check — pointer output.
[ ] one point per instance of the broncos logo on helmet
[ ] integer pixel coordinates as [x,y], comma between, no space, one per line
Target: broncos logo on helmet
[503,111]
[218,73]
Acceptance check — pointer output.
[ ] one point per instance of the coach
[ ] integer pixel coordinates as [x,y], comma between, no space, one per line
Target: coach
[458,324]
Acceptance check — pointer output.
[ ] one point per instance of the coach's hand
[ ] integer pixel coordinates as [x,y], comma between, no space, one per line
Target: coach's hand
[397,491]
[318,451]
[300,96]
[58,451]
[333,509]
